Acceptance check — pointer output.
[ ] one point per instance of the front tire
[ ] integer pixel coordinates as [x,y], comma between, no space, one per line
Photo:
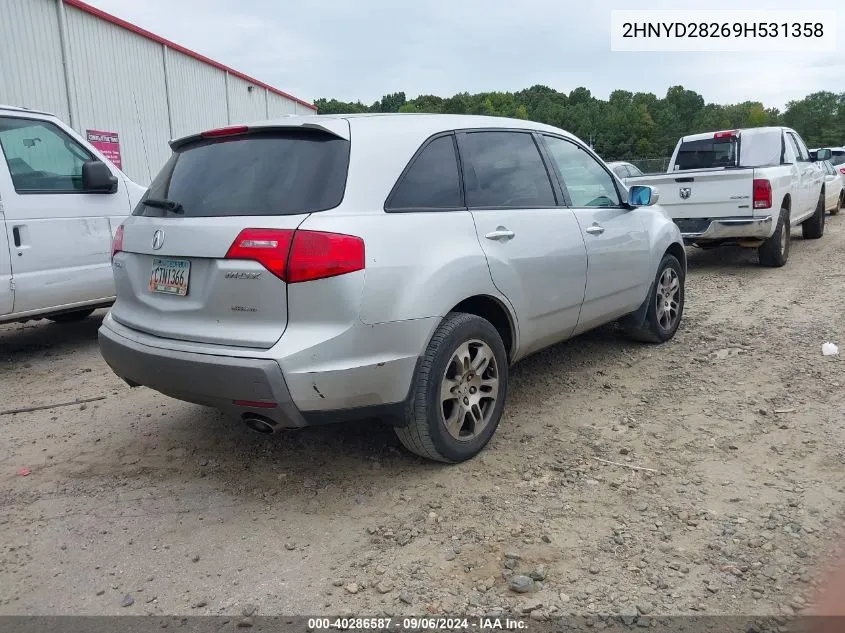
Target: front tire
[665,304]
[72,317]
[459,392]
[774,252]
[813,227]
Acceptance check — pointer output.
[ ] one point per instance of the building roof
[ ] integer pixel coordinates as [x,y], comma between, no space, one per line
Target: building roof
[87,8]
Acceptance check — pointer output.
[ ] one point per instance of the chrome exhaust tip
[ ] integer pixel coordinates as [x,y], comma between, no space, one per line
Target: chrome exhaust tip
[260,424]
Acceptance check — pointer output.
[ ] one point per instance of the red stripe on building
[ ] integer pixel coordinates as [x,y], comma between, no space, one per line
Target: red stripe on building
[87,8]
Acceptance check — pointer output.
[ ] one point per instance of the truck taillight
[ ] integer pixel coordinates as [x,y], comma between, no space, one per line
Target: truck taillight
[117,241]
[295,256]
[762,194]
[726,134]
[842,170]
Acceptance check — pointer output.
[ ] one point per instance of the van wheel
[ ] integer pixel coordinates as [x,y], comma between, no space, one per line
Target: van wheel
[774,252]
[459,392]
[839,205]
[72,317]
[665,304]
[813,227]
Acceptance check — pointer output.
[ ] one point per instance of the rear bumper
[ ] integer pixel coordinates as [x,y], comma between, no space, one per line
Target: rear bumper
[707,229]
[214,381]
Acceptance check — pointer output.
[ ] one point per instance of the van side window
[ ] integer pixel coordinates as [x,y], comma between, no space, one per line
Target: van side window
[432,181]
[505,169]
[41,157]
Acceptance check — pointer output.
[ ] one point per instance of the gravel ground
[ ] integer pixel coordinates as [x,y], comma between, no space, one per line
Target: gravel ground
[725,497]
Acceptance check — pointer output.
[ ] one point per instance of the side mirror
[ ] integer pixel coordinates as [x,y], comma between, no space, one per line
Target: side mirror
[97,177]
[643,196]
[823,154]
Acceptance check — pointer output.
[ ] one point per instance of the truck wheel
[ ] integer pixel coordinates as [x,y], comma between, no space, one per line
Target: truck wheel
[774,252]
[459,392]
[839,205]
[665,304]
[71,317]
[813,227]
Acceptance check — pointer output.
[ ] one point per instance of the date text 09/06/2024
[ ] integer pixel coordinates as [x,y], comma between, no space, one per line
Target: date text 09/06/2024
[416,624]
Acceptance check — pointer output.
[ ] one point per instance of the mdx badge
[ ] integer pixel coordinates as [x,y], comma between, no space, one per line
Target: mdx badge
[158,239]
[242,275]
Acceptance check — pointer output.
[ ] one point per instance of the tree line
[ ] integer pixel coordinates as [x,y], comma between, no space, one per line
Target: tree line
[627,125]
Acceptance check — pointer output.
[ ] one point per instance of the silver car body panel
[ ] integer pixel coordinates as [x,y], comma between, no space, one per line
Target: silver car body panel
[353,341]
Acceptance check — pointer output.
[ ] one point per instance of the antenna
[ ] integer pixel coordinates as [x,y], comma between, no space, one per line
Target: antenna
[143,142]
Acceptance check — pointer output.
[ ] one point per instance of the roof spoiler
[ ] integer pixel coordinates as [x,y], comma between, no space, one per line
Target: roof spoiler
[335,127]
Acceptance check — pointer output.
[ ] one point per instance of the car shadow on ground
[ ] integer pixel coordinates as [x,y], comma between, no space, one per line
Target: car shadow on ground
[204,443]
[21,342]
[730,256]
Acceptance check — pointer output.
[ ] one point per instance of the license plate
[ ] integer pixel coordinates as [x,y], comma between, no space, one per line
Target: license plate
[170,276]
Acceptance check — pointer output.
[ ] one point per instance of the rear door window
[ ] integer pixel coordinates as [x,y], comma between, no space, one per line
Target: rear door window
[270,173]
[504,170]
[798,147]
[634,171]
[432,181]
[621,171]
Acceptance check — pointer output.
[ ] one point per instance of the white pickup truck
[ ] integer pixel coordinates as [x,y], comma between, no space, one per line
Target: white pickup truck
[60,203]
[747,187]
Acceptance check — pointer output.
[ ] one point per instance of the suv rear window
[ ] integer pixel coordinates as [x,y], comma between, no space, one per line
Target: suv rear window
[277,173]
[707,153]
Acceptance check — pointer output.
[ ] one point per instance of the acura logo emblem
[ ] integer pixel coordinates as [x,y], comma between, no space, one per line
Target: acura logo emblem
[158,239]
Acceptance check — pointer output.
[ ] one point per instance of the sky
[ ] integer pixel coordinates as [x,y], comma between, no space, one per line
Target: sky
[363,49]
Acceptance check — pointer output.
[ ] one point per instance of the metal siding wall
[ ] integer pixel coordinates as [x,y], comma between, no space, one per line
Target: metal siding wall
[245,106]
[119,83]
[197,94]
[31,73]
[279,105]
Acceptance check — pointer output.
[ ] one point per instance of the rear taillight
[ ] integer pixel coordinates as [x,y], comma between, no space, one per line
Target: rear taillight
[842,170]
[297,256]
[117,241]
[225,131]
[762,194]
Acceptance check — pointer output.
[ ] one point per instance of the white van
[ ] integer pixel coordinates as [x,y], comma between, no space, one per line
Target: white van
[60,203]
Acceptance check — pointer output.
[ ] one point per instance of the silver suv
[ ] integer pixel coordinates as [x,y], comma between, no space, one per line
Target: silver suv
[315,269]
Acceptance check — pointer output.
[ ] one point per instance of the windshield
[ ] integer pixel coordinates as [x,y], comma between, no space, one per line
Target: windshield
[278,173]
[707,153]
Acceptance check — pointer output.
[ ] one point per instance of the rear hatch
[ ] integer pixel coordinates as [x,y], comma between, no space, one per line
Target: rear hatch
[204,256]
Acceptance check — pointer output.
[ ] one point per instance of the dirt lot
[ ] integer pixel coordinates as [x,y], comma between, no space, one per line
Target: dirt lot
[142,504]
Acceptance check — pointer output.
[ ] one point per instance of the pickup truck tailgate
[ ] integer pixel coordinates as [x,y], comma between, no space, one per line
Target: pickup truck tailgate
[703,193]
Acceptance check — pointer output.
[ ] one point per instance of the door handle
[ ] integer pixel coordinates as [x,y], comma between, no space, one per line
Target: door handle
[16,236]
[595,229]
[501,233]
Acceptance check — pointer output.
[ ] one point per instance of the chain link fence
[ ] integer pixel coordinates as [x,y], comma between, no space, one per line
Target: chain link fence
[651,165]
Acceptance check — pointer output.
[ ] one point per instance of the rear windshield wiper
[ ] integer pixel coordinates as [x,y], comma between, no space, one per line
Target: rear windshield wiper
[161,203]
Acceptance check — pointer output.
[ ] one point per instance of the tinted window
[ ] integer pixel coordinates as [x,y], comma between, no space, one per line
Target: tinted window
[838,158]
[803,152]
[706,153]
[281,173]
[432,181]
[621,171]
[634,170]
[41,157]
[587,181]
[504,169]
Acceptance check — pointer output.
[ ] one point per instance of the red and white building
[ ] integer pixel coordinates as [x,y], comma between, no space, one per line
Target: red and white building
[102,74]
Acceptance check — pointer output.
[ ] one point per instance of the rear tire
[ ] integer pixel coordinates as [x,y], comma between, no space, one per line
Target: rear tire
[813,227]
[459,392]
[72,317]
[839,205]
[774,252]
[665,304]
